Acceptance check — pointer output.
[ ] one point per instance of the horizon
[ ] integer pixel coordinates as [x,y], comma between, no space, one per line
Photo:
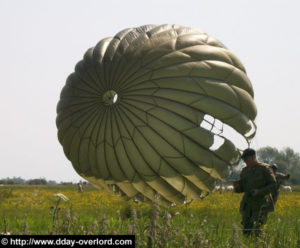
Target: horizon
[84,180]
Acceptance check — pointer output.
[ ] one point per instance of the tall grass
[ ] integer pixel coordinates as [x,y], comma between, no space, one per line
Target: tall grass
[212,222]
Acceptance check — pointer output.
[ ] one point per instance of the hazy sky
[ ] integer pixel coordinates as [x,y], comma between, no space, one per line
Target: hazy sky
[41,41]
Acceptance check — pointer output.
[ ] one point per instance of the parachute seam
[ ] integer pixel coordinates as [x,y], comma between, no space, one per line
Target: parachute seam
[222,51]
[229,73]
[156,58]
[105,63]
[128,86]
[149,166]
[149,63]
[104,147]
[202,95]
[176,170]
[183,143]
[99,62]
[95,114]
[67,107]
[96,148]
[98,143]
[118,50]
[114,148]
[185,76]
[80,89]
[196,126]
[191,92]
[110,65]
[100,81]
[155,150]
[167,124]
[99,128]
[237,96]
[168,143]
[195,109]
[91,97]
[129,159]
[98,172]
[223,119]
[198,85]
[119,62]
[77,165]
[143,175]
[82,78]
[83,109]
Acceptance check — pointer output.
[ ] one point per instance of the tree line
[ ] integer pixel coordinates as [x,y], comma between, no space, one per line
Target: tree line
[19,180]
[35,181]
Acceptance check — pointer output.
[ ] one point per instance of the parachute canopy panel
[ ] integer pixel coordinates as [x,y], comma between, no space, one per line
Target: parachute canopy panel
[144,112]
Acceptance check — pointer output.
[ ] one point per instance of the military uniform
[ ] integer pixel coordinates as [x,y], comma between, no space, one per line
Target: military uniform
[279,178]
[255,208]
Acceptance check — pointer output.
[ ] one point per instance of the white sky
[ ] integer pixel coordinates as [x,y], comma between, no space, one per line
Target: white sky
[41,41]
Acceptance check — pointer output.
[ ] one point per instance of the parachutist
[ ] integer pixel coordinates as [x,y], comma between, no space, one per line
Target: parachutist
[257,181]
[80,187]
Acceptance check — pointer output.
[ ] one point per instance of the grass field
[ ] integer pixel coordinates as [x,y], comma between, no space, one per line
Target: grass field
[212,222]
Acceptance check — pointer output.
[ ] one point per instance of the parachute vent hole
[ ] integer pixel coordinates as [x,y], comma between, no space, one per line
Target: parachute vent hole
[218,142]
[110,97]
[115,99]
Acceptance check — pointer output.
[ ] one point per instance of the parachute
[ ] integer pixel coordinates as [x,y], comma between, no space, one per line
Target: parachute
[131,116]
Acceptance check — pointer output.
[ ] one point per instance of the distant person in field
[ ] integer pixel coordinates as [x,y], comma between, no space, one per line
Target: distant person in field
[257,181]
[80,187]
[279,179]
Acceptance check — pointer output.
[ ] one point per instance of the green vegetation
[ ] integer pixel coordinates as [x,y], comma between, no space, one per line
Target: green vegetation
[212,222]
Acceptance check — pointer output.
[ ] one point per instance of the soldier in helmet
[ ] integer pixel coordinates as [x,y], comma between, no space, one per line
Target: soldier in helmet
[279,179]
[257,181]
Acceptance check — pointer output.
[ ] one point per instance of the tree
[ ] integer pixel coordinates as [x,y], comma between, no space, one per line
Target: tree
[6,181]
[52,182]
[38,181]
[289,157]
[268,154]
[287,160]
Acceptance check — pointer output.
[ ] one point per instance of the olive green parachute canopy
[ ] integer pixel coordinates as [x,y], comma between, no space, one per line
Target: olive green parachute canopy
[131,115]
